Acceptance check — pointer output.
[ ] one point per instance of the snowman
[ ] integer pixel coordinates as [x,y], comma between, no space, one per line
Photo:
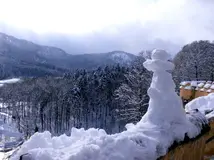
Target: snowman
[165,106]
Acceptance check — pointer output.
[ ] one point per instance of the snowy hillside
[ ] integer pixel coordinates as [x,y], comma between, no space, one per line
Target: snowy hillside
[164,123]
[121,57]
[20,58]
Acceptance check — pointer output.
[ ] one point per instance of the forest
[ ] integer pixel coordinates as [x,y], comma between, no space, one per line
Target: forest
[108,97]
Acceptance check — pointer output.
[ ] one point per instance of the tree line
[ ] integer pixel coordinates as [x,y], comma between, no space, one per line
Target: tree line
[107,98]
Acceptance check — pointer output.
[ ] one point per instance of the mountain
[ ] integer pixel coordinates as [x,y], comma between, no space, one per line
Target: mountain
[94,60]
[121,57]
[20,57]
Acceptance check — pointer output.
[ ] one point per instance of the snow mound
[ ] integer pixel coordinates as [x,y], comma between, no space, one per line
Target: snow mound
[204,104]
[184,83]
[200,85]
[197,84]
[209,90]
[144,141]
[164,123]
[188,87]
[207,85]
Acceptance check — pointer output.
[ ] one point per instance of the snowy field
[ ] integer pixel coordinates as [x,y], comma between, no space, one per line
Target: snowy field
[164,123]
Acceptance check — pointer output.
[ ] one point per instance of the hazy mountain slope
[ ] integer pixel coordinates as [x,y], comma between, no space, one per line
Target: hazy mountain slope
[23,58]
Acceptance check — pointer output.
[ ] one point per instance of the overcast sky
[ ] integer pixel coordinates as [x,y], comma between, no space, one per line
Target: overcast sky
[105,25]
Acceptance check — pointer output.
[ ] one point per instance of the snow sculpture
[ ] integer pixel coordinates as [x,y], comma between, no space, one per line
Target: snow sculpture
[164,123]
[165,105]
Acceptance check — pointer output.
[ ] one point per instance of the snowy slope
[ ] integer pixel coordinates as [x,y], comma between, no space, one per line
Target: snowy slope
[164,123]
[121,57]
[24,58]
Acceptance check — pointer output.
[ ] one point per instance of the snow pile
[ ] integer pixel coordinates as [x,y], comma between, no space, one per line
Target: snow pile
[200,85]
[209,90]
[207,85]
[204,104]
[188,87]
[184,83]
[164,123]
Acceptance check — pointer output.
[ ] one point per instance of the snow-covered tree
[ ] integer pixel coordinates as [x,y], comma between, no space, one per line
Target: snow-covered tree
[195,62]
[132,94]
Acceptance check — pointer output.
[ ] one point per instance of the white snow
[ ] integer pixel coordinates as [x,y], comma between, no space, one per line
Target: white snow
[188,87]
[212,87]
[191,83]
[13,80]
[3,105]
[208,85]
[204,104]
[194,83]
[121,57]
[200,85]
[9,81]
[209,90]
[184,83]
[164,123]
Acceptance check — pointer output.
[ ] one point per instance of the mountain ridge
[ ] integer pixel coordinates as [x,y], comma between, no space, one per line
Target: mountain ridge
[26,58]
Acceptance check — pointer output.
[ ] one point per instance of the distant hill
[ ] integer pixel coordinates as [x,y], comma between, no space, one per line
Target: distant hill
[23,58]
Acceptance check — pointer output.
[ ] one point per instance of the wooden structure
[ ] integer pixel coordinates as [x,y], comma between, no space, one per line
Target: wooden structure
[193,89]
[190,90]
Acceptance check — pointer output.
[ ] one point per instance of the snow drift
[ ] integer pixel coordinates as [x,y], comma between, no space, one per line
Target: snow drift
[204,104]
[164,124]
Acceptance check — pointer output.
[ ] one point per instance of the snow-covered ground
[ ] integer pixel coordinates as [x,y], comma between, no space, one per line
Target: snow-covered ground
[204,104]
[164,123]
[13,80]
[9,81]
[9,135]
